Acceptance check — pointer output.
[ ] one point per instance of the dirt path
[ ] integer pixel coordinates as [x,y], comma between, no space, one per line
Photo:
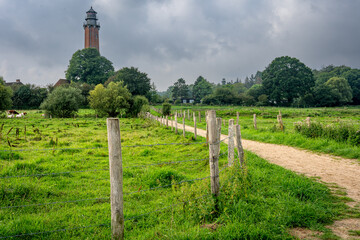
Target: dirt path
[345,173]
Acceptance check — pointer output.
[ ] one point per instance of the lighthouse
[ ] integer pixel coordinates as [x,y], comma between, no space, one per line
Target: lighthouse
[91,27]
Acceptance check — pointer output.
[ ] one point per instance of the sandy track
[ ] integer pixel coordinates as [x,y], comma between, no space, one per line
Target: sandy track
[343,172]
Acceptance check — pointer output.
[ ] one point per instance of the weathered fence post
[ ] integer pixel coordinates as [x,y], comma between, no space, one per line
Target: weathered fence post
[255,124]
[231,142]
[116,179]
[237,118]
[176,127]
[308,121]
[218,125]
[195,130]
[239,145]
[214,147]
[184,124]
[279,118]
[207,128]
[199,117]
[172,124]
[189,114]
[167,121]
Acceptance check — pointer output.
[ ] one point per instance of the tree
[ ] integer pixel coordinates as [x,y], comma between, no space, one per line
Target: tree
[85,89]
[29,96]
[180,90]
[340,89]
[220,96]
[353,77]
[5,96]
[323,96]
[255,91]
[285,79]
[154,97]
[136,82]
[87,66]
[201,89]
[63,102]
[110,100]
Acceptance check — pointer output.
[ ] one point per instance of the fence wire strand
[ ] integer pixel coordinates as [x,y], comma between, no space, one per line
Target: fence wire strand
[52,174]
[167,207]
[53,203]
[164,163]
[169,185]
[54,231]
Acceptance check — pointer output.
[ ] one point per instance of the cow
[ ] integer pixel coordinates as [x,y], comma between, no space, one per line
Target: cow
[12,112]
[10,116]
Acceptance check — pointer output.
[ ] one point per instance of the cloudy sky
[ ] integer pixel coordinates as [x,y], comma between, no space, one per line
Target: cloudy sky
[170,39]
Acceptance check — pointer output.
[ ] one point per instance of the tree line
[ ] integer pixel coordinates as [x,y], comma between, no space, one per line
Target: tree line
[94,83]
[285,82]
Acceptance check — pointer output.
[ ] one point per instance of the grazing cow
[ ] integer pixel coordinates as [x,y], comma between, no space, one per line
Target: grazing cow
[20,115]
[12,112]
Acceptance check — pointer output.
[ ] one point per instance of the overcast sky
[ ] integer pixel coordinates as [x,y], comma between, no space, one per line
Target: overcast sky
[170,39]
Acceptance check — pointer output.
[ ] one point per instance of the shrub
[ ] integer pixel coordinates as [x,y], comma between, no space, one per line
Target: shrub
[110,100]
[63,102]
[339,133]
[136,105]
[166,109]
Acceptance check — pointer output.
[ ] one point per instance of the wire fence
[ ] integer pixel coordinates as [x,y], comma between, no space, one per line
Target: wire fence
[107,199]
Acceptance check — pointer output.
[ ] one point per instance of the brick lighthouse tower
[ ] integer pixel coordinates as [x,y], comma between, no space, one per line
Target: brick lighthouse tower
[91,30]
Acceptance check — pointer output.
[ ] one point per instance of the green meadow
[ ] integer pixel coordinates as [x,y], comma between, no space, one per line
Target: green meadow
[54,184]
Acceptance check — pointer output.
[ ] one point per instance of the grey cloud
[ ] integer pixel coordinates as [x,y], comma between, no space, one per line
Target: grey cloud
[172,39]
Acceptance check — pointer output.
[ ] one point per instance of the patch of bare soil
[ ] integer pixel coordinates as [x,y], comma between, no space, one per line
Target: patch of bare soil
[301,233]
[344,228]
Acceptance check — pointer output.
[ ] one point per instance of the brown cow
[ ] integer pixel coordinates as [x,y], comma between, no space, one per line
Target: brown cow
[12,112]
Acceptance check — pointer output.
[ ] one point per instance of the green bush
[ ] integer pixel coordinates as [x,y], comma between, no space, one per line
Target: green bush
[166,109]
[339,133]
[63,102]
[136,105]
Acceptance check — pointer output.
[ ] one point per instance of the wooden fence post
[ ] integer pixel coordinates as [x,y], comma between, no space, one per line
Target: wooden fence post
[255,124]
[172,124]
[184,124]
[218,126]
[214,147]
[195,130]
[189,114]
[116,179]
[279,118]
[231,142]
[239,145]
[207,128]
[237,118]
[167,121]
[176,127]
[199,117]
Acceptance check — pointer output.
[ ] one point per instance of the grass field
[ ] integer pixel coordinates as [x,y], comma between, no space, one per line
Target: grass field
[268,128]
[55,185]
